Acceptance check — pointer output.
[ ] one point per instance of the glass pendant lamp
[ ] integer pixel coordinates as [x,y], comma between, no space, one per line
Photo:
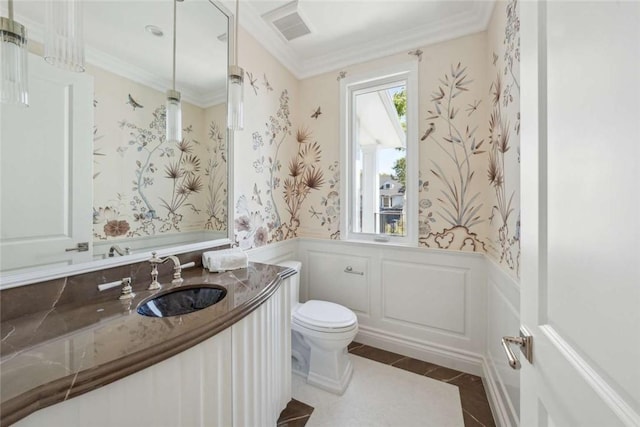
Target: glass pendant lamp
[14,57]
[64,37]
[173,117]
[235,103]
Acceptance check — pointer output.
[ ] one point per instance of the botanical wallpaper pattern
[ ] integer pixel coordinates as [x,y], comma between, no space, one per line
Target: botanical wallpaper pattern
[469,145]
[451,132]
[504,137]
[144,185]
[272,213]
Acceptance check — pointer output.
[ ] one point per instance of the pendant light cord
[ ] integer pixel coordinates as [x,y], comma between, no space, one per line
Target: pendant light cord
[235,30]
[10,10]
[175,2]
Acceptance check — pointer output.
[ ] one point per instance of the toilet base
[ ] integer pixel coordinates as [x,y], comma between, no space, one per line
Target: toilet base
[326,366]
[333,385]
[329,368]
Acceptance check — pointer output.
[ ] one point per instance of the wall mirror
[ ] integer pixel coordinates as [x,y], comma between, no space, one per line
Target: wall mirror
[88,162]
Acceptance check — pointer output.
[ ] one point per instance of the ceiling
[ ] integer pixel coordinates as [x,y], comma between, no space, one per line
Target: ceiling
[116,40]
[345,32]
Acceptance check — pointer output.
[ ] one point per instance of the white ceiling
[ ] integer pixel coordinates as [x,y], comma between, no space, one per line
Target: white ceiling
[345,32]
[116,40]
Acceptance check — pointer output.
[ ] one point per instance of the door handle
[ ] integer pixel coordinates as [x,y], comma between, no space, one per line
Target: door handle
[81,247]
[524,341]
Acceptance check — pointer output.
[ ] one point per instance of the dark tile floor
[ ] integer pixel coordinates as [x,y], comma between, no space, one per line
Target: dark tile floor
[475,406]
[296,414]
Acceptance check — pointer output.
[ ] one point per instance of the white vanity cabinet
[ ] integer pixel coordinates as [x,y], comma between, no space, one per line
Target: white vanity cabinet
[240,377]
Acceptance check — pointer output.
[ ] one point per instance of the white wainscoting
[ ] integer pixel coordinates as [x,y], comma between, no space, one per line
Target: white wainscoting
[503,318]
[445,307]
[424,303]
[275,253]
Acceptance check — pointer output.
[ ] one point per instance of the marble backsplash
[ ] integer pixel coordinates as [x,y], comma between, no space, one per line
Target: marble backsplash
[78,290]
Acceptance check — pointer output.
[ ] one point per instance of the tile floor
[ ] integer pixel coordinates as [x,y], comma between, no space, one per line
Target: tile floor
[475,406]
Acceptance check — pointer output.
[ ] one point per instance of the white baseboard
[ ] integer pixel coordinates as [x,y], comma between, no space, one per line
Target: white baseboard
[497,404]
[448,357]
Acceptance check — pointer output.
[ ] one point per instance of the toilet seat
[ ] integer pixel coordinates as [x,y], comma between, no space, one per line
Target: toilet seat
[323,316]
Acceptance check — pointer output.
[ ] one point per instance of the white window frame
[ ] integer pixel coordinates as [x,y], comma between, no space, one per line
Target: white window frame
[407,71]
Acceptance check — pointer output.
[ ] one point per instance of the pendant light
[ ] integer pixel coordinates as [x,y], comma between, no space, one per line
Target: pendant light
[173,117]
[64,38]
[235,107]
[14,57]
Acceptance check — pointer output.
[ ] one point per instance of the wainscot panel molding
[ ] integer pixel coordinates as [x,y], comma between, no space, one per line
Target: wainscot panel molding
[275,253]
[503,318]
[425,303]
[341,278]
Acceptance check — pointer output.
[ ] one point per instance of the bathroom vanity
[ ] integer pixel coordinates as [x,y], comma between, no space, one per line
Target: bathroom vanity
[101,363]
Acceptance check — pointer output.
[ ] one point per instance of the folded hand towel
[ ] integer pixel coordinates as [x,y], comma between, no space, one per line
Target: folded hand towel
[225,259]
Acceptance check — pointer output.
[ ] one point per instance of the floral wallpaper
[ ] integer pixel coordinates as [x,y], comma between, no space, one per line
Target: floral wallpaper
[286,181]
[144,185]
[451,203]
[469,144]
[503,169]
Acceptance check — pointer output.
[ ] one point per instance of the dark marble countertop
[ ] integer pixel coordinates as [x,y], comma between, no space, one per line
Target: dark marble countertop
[53,355]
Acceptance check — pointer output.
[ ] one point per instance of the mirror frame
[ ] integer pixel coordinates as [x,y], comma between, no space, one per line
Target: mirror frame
[25,276]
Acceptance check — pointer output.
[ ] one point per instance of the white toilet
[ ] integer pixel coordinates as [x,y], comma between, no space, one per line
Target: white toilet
[320,334]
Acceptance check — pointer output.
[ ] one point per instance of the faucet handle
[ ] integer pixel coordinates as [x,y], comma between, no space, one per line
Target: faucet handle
[155,285]
[125,282]
[177,270]
[127,290]
[154,258]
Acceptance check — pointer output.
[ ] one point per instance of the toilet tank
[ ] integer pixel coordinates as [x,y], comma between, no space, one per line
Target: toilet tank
[294,280]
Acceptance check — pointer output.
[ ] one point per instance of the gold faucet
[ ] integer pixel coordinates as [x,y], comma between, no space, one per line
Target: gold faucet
[177,270]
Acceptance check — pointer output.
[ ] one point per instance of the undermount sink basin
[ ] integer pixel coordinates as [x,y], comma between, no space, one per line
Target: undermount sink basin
[182,300]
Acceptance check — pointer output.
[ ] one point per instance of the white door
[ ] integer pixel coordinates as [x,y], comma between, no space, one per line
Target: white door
[580,148]
[46,163]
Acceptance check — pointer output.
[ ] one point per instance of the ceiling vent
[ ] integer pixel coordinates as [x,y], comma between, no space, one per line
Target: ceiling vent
[288,21]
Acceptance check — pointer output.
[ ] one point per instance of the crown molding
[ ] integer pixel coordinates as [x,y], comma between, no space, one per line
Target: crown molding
[252,22]
[471,21]
[107,62]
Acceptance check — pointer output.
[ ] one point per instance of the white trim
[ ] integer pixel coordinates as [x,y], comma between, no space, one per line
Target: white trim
[507,289]
[405,70]
[497,404]
[252,22]
[473,20]
[376,245]
[442,355]
[609,396]
[275,253]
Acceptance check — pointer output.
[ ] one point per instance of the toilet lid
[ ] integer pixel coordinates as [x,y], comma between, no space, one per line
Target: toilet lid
[324,314]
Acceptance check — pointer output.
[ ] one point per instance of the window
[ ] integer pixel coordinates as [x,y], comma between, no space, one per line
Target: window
[379,162]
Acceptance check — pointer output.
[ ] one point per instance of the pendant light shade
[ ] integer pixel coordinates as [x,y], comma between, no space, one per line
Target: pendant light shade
[235,87]
[64,38]
[14,57]
[173,118]
[235,110]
